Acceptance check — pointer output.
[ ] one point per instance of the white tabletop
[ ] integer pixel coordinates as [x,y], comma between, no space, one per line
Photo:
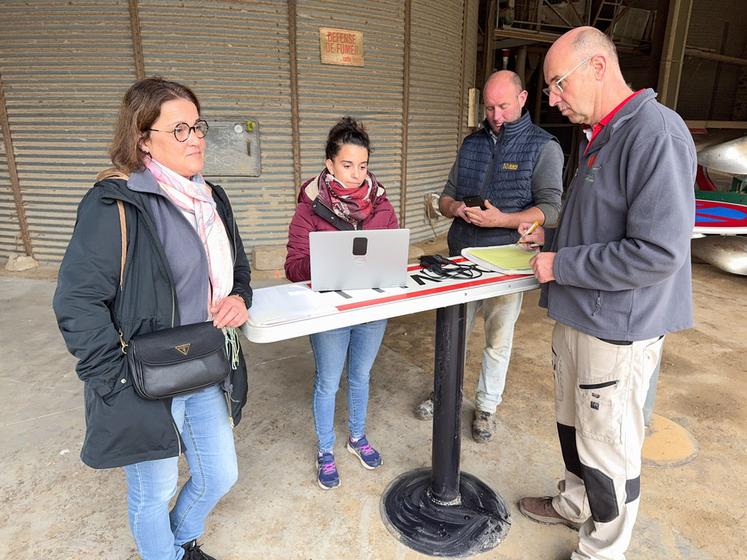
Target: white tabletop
[291,310]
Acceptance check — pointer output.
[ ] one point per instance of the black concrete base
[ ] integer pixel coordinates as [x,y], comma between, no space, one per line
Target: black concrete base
[477,524]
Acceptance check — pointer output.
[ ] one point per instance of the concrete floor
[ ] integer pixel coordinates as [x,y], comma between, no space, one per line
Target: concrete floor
[52,506]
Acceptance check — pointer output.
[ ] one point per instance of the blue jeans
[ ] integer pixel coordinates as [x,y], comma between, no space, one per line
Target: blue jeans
[357,347]
[202,419]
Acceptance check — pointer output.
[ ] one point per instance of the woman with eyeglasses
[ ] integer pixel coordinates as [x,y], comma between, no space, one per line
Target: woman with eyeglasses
[184,263]
[345,195]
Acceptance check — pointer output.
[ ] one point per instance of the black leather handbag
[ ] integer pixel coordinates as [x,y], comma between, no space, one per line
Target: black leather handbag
[179,360]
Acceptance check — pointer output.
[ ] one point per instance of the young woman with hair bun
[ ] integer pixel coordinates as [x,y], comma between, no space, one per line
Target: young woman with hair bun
[344,195]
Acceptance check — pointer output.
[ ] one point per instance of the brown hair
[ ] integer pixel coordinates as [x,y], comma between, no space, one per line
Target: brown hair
[141,107]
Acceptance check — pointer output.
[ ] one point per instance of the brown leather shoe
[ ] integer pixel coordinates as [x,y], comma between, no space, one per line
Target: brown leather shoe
[541,511]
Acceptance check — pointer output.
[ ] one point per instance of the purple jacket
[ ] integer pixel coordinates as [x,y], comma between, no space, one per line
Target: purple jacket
[308,219]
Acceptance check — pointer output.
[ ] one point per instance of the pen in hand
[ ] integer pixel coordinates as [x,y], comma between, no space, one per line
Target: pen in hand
[529,231]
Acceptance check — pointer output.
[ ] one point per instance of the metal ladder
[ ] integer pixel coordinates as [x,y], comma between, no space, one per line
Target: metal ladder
[608,13]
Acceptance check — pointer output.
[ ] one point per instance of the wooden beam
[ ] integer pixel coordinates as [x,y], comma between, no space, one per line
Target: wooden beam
[405,114]
[709,55]
[717,77]
[15,184]
[538,92]
[488,43]
[734,125]
[462,57]
[137,40]
[673,52]
[521,64]
[295,125]
[525,35]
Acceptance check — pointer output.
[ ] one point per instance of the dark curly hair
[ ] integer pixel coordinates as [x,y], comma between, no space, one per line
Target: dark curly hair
[346,131]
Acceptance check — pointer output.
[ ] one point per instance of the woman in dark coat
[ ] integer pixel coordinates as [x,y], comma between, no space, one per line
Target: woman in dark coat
[184,263]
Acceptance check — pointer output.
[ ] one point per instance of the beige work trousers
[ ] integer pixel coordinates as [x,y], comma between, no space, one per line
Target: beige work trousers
[600,390]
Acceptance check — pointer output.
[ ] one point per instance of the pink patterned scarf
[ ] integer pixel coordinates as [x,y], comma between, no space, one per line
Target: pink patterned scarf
[352,205]
[194,196]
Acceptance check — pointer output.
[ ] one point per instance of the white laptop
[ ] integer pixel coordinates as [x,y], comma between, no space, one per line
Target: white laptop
[359,259]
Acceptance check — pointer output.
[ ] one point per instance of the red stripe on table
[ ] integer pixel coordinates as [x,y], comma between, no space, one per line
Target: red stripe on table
[429,291]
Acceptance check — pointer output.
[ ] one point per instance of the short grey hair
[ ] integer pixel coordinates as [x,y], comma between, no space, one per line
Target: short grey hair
[590,41]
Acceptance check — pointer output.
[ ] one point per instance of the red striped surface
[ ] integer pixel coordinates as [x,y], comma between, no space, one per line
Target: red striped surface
[428,291]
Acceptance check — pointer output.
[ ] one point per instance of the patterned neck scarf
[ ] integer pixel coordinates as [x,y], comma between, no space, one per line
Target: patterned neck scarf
[352,205]
[194,196]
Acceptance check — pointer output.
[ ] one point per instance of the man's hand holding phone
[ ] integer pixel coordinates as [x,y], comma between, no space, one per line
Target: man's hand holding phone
[474,201]
[458,210]
[484,214]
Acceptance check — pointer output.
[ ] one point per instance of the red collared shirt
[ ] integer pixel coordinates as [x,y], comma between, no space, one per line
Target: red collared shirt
[597,128]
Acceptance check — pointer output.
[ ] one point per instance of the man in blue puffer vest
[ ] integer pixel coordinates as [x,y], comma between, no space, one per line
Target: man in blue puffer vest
[516,168]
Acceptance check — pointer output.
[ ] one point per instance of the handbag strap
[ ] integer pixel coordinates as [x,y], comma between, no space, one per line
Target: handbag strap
[114,173]
[123,236]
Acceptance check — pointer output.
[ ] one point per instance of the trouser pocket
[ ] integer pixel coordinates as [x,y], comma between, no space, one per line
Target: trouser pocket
[601,389]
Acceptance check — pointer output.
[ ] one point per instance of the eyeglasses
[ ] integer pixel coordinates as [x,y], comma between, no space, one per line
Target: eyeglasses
[556,86]
[182,131]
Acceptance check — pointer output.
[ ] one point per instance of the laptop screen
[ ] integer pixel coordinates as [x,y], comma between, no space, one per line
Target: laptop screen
[359,259]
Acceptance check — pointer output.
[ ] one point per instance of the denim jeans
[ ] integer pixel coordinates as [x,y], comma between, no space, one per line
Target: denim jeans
[202,419]
[355,347]
[500,315]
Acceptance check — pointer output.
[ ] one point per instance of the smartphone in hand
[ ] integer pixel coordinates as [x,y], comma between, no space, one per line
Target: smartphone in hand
[472,201]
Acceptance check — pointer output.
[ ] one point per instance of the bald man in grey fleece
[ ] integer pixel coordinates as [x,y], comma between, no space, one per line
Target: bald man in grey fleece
[615,277]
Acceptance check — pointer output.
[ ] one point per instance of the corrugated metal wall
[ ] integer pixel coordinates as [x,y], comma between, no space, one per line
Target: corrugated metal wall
[372,93]
[65,66]
[435,95]
[235,56]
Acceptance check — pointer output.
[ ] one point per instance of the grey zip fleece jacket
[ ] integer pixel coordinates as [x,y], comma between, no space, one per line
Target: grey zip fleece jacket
[622,268]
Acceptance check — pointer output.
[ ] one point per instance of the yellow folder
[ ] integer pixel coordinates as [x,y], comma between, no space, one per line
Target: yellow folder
[508,259]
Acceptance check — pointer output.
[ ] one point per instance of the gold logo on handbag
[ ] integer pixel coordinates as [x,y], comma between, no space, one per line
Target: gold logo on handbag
[183,349]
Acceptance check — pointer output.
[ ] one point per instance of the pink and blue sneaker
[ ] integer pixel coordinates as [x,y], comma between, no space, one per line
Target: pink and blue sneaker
[327,476]
[366,454]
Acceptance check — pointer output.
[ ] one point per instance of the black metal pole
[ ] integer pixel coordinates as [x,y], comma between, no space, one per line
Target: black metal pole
[441,511]
[447,403]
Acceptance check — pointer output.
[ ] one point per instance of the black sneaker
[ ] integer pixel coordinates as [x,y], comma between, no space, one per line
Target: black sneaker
[192,552]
